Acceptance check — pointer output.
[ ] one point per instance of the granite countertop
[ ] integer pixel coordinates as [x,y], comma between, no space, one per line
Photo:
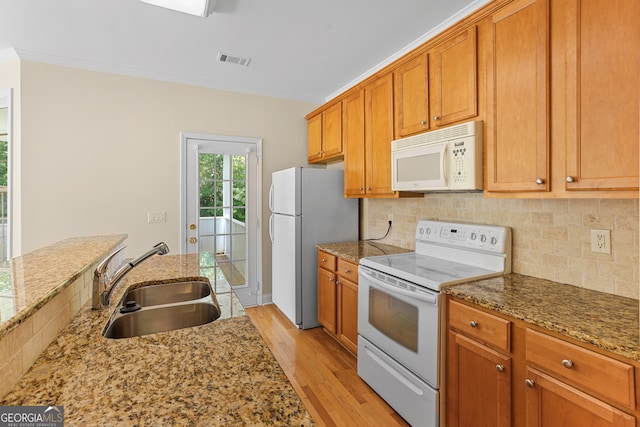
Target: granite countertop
[221,373]
[354,251]
[37,277]
[604,320]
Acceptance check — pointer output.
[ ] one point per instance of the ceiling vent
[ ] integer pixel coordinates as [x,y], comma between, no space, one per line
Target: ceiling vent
[223,57]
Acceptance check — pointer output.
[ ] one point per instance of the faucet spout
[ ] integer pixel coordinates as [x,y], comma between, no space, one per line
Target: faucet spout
[110,285]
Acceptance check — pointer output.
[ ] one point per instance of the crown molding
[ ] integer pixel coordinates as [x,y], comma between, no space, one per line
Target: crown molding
[8,54]
[35,56]
[461,14]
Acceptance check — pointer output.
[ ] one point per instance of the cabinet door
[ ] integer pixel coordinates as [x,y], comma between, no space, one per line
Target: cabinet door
[453,73]
[327,300]
[518,98]
[603,73]
[551,403]
[478,384]
[348,324]
[332,131]
[314,137]
[378,135]
[353,139]
[411,97]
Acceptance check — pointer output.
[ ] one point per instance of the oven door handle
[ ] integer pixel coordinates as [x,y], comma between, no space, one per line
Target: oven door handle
[422,296]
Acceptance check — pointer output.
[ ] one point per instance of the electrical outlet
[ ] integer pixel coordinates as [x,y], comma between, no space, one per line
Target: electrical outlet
[156,217]
[601,241]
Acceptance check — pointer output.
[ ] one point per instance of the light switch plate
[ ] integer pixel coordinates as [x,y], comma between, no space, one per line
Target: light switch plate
[156,217]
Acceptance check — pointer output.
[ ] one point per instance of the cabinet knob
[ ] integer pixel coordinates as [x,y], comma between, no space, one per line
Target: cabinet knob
[324,260]
[529,383]
[361,189]
[567,363]
[368,188]
[338,282]
[473,324]
[331,279]
[423,122]
[539,181]
[569,179]
[436,118]
[500,368]
[347,271]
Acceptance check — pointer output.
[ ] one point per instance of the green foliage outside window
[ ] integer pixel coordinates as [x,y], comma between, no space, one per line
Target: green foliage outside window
[213,186]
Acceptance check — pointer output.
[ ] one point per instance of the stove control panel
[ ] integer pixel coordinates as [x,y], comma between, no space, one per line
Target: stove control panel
[490,238]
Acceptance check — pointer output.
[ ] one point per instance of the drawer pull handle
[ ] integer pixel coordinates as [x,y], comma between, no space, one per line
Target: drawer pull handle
[529,383]
[473,324]
[567,363]
[500,368]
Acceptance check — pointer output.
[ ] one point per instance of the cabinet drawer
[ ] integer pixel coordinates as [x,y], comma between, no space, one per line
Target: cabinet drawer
[326,261]
[484,327]
[348,270]
[583,368]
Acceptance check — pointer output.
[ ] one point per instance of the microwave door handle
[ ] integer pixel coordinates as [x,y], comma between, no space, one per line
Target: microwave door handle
[428,298]
[445,165]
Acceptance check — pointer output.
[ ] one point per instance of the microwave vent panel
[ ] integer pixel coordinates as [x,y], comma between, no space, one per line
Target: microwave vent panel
[458,131]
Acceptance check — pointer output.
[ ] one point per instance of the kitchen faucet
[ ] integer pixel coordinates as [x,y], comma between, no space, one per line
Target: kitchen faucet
[103,287]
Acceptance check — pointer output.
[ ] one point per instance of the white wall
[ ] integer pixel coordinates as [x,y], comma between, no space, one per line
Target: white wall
[100,150]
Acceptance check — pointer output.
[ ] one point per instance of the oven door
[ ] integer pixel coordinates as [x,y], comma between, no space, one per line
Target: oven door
[401,319]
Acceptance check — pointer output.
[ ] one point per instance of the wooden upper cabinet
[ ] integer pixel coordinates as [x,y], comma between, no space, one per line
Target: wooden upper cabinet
[438,87]
[517,145]
[378,108]
[324,138]
[453,73]
[603,73]
[411,96]
[353,139]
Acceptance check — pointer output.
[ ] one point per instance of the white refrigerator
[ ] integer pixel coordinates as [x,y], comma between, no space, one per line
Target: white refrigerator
[308,208]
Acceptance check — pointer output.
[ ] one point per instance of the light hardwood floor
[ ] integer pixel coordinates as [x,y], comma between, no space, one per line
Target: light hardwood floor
[322,372]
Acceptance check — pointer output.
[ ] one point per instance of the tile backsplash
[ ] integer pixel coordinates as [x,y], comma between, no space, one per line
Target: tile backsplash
[551,237]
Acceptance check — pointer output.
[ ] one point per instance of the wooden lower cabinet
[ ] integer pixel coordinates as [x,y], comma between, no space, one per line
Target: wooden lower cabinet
[478,384]
[338,299]
[539,378]
[551,403]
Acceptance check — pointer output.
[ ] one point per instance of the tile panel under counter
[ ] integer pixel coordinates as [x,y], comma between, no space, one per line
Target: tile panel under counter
[607,321]
[354,251]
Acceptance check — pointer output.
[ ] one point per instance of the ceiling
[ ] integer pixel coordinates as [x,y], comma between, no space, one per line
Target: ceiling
[299,49]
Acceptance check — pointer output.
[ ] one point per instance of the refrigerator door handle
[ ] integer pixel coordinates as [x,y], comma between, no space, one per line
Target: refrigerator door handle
[271,227]
[271,198]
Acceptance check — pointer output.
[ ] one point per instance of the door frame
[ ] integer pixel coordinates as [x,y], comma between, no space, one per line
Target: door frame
[6,101]
[184,136]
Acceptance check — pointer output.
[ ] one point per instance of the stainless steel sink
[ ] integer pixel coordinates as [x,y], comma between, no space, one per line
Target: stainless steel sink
[160,319]
[168,293]
[160,308]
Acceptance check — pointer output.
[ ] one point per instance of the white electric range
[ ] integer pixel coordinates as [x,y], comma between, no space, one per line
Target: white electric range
[399,309]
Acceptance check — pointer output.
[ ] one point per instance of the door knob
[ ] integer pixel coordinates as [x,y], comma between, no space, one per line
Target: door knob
[192,240]
[192,226]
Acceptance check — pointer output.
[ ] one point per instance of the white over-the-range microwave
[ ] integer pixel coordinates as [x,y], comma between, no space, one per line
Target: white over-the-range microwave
[448,159]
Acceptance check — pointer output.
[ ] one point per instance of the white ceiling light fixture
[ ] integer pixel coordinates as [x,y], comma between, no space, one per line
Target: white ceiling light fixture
[202,8]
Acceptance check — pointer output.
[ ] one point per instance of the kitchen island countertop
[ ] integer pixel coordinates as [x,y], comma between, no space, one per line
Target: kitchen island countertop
[221,373]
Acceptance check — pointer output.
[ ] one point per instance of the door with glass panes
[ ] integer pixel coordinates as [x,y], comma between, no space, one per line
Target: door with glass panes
[221,216]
